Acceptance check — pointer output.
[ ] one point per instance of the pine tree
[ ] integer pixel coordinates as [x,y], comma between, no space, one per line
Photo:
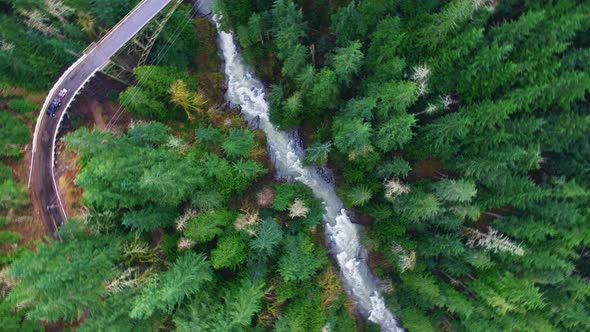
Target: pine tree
[268,236]
[63,279]
[299,259]
[317,153]
[164,292]
[239,143]
[230,252]
[347,62]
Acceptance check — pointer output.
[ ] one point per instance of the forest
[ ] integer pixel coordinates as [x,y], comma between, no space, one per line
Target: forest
[457,132]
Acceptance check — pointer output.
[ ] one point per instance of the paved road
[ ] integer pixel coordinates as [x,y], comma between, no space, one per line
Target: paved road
[42,182]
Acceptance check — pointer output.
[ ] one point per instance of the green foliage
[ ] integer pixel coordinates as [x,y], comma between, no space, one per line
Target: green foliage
[133,270]
[110,12]
[295,60]
[242,303]
[7,237]
[152,174]
[397,167]
[178,43]
[459,128]
[291,110]
[324,93]
[164,292]
[142,104]
[62,280]
[230,252]
[13,134]
[239,143]
[23,106]
[114,313]
[417,321]
[347,24]
[455,191]
[395,133]
[351,135]
[208,136]
[347,62]
[150,218]
[11,194]
[150,99]
[303,313]
[268,236]
[247,169]
[359,195]
[300,260]
[418,206]
[31,59]
[231,311]
[317,154]
[205,226]
[287,193]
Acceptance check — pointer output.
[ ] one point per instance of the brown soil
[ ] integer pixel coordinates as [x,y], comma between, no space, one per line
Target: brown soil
[103,115]
[210,79]
[25,220]
[97,111]
[66,171]
[37,98]
[425,169]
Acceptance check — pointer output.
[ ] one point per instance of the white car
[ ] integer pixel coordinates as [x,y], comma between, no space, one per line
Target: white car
[62,93]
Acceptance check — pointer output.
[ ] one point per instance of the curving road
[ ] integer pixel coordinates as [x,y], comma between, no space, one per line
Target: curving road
[42,183]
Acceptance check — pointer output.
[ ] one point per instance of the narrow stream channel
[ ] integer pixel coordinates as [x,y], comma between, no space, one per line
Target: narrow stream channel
[342,236]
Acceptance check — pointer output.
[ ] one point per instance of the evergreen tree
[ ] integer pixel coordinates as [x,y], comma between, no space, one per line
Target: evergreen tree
[164,292]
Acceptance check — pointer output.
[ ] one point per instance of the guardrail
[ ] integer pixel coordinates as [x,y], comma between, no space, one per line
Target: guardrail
[91,48]
[45,105]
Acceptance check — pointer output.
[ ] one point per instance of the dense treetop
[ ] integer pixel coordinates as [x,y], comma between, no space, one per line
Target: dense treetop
[458,131]
[459,128]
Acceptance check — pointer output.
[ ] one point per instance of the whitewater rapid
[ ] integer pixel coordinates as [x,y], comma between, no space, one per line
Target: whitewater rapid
[342,236]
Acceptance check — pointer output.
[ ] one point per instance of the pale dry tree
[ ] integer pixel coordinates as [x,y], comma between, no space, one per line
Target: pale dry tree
[386,286]
[327,328]
[227,123]
[23,220]
[447,101]
[6,46]
[420,75]
[125,280]
[492,241]
[246,220]
[353,155]
[394,188]
[265,197]
[24,304]
[406,259]
[174,142]
[6,282]
[488,5]
[134,123]
[185,244]
[138,250]
[298,209]
[180,222]
[57,9]
[35,20]
[430,109]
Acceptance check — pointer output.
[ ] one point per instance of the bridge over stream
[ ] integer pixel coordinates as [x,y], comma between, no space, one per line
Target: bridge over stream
[42,182]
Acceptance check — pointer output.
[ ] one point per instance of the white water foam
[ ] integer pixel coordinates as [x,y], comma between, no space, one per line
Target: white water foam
[246,91]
